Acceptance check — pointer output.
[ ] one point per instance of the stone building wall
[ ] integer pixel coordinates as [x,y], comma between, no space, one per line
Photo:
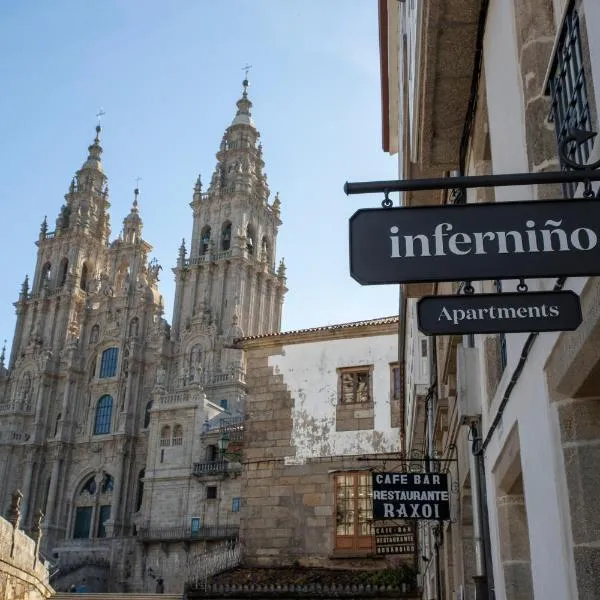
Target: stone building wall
[22,575]
[293,448]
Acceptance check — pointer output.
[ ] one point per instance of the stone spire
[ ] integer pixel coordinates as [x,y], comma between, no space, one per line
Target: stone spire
[243,115]
[93,161]
[132,224]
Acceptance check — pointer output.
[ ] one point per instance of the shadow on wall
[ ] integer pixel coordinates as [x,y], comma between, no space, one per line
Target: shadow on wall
[94,578]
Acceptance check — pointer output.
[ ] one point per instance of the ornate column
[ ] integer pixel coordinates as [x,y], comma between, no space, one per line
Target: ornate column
[30,456]
[122,448]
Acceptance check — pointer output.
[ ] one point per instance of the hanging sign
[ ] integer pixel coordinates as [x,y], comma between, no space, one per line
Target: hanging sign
[502,240]
[499,313]
[421,496]
[395,538]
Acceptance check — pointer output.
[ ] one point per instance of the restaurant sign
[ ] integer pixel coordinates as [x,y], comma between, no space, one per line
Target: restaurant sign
[422,496]
[501,240]
[395,538]
[499,313]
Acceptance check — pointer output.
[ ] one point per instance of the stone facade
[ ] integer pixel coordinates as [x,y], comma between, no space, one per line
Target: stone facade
[294,449]
[23,575]
[114,417]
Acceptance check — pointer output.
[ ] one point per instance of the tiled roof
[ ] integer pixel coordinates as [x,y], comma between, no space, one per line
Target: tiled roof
[337,327]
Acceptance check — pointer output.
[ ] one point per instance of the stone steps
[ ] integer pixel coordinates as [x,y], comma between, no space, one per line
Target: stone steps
[117,596]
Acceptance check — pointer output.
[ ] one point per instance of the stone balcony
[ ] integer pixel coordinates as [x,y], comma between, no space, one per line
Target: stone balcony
[211,467]
[186,533]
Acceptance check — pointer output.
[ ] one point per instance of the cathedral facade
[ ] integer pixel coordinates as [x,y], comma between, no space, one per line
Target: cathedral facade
[125,430]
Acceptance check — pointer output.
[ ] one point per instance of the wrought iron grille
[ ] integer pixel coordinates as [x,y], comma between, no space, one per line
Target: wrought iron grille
[568,90]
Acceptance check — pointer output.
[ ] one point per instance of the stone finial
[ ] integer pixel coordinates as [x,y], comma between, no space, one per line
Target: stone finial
[198,186]
[36,529]
[44,227]
[281,269]
[182,253]
[25,286]
[14,515]
[3,356]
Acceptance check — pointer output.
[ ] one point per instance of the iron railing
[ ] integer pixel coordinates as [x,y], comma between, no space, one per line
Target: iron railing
[185,532]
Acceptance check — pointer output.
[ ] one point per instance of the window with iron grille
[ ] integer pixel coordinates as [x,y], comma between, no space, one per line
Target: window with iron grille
[568,91]
[211,492]
[108,363]
[103,415]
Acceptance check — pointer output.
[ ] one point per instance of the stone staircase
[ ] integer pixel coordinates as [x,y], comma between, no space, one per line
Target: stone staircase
[118,596]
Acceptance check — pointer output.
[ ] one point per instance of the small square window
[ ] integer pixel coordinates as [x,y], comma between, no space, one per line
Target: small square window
[235,505]
[211,492]
[355,385]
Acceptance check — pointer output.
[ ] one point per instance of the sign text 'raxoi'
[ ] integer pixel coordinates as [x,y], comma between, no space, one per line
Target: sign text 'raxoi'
[411,496]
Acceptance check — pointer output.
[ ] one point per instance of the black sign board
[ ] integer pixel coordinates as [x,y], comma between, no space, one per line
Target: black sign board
[395,539]
[499,313]
[503,240]
[410,496]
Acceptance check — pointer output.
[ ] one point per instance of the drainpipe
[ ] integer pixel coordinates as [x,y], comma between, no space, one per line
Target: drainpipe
[481,537]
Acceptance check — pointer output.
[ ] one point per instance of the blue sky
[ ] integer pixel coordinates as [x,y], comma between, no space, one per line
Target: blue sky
[168,75]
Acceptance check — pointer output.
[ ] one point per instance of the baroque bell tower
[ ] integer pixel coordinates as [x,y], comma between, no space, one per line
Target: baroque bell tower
[229,284]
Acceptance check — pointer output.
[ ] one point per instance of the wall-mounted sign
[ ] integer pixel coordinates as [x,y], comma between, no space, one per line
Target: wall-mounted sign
[499,313]
[411,496]
[395,539]
[505,240]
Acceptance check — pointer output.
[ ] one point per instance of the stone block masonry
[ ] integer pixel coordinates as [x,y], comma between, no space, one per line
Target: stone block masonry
[22,575]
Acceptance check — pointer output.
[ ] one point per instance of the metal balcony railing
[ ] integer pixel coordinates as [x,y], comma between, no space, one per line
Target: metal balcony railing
[210,467]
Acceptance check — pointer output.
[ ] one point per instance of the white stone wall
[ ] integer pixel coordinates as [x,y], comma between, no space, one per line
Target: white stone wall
[309,371]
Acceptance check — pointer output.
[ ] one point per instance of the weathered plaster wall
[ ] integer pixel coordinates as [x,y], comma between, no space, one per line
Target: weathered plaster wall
[309,372]
[22,576]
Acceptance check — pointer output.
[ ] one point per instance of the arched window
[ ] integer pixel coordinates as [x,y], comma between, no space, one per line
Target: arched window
[165,436]
[177,435]
[103,416]
[84,277]
[147,414]
[93,507]
[25,386]
[133,327]
[62,272]
[45,276]
[226,236]
[108,363]
[140,490]
[204,240]
[250,239]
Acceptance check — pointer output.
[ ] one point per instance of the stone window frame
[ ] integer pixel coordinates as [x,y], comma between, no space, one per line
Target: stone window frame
[353,543]
[396,395]
[213,490]
[95,494]
[109,361]
[341,371]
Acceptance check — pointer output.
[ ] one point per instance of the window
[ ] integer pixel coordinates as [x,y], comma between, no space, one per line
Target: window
[226,236]
[212,453]
[195,528]
[103,415]
[165,436]
[89,487]
[46,274]
[396,382]
[568,90]
[353,510]
[147,414]
[211,492]
[83,521]
[177,435]
[235,505]
[140,490]
[108,363]
[250,240]
[84,277]
[64,269]
[354,385]
[204,240]
[223,403]
[104,515]
[108,484]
